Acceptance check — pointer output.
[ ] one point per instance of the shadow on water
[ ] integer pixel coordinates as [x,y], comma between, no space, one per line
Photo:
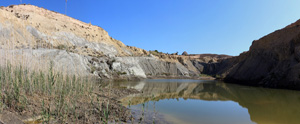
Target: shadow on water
[265,106]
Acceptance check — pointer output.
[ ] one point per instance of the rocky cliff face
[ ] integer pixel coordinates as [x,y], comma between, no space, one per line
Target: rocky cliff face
[33,36]
[272,61]
[28,26]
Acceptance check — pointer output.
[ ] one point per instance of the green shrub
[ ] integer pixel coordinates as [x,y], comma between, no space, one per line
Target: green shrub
[61,47]
[121,73]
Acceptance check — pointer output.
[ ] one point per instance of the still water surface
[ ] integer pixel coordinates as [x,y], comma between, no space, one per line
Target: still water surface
[210,102]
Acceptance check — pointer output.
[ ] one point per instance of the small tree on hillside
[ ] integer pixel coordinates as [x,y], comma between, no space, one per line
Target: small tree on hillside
[184,53]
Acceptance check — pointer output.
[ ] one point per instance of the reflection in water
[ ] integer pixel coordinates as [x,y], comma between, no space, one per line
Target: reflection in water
[265,106]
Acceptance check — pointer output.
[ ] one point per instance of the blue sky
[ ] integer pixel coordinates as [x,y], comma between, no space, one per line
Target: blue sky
[195,26]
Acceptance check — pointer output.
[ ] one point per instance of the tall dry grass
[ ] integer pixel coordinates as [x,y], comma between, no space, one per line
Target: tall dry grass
[61,92]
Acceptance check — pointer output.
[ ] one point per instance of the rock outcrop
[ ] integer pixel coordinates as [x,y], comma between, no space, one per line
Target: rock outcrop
[272,61]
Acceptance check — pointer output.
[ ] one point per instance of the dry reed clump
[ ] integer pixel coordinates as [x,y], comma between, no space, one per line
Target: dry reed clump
[56,98]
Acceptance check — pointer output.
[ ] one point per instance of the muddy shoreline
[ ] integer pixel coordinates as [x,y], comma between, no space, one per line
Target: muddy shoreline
[87,111]
[161,77]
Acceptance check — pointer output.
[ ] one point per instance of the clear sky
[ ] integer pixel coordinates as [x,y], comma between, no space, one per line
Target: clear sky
[195,26]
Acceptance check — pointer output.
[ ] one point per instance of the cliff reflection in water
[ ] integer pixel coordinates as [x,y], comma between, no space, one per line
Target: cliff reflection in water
[265,106]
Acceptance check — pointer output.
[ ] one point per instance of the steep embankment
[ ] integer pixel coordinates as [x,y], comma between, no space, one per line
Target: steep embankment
[272,61]
[34,36]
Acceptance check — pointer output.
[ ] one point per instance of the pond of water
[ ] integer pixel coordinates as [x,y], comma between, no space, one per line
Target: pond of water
[210,102]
